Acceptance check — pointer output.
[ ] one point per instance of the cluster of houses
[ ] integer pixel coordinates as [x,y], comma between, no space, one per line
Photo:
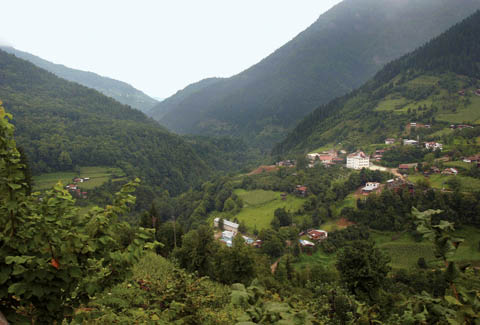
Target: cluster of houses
[379,154]
[326,158]
[460,126]
[230,230]
[75,190]
[286,163]
[419,125]
[463,92]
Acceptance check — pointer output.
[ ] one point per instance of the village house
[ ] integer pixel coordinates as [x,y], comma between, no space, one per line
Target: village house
[316,234]
[390,141]
[461,92]
[358,160]
[301,190]
[286,163]
[227,237]
[472,159]
[434,145]
[398,183]
[370,187]
[450,171]
[227,225]
[408,142]
[248,240]
[461,126]
[477,92]
[306,243]
[406,167]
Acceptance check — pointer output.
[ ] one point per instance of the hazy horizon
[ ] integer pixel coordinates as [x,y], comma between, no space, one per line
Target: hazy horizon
[159,48]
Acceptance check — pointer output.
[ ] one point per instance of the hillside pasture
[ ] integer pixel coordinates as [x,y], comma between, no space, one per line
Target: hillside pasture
[98,176]
[260,205]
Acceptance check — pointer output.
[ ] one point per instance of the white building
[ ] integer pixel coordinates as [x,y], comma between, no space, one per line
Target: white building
[434,145]
[227,237]
[407,142]
[358,160]
[390,141]
[227,225]
[370,186]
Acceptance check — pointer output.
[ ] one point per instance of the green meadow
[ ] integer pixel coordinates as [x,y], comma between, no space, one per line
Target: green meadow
[98,176]
[260,205]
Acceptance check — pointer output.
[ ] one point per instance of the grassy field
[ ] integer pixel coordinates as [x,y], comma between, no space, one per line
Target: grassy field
[260,205]
[404,251]
[98,176]
[458,164]
[349,201]
[439,181]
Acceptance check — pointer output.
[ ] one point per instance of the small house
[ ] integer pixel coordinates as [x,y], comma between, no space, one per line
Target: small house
[248,240]
[433,146]
[390,141]
[461,92]
[408,142]
[450,171]
[370,187]
[406,167]
[316,234]
[306,243]
[477,92]
[301,190]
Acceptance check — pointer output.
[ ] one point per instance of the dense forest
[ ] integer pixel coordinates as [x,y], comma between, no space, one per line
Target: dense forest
[420,87]
[336,54]
[61,125]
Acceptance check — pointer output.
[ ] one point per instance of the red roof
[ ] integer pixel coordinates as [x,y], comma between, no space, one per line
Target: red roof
[302,188]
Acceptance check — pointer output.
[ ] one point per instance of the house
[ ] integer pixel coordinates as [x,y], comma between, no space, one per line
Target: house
[461,126]
[323,158]
[316,234]
[390,141]
[370,187]
[78,180]
[358,160]
[227,237]
[461,92]
[286,163]
[408,142]
[301,190]
[306,243]
[86,179]
[258,243]
[248,240]
[398,183]
[227,225]
[472,159]
[450,171]
[413,125]
[477,92]
[71,187]
[434,145]
[406,167]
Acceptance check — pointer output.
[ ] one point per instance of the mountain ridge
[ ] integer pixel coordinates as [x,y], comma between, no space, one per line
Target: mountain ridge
[119,90]
[325,61]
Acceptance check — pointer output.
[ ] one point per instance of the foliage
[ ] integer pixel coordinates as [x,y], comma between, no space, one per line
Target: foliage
[363,268]
[52,258]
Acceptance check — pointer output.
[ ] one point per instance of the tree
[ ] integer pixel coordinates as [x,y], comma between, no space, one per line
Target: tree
[51,257]
[197,251]
[65,161]
[363,268]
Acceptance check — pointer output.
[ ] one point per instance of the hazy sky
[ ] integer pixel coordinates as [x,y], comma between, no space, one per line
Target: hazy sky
[158,46]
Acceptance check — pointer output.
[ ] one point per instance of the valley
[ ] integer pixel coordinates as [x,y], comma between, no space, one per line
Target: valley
[337,182]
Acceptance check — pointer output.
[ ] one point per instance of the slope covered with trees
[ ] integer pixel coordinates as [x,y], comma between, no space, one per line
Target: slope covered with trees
[61,125]
[119,90]
[345,47]
[435,85]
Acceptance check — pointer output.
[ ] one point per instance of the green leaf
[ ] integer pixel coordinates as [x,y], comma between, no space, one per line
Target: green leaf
[17,289]
[453,301]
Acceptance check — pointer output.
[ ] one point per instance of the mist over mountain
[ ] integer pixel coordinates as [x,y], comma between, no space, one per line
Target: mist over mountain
[119,90]
[345,47]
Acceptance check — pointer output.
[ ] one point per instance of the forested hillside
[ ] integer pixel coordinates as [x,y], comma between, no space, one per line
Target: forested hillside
[436,85]
[121,91]
[61,125]
[340,51]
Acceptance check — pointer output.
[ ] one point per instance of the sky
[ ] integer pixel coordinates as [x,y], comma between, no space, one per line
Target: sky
[158,46]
